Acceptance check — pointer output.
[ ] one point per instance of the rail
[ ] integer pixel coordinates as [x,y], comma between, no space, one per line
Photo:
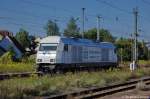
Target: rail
[13,75]
[93,93]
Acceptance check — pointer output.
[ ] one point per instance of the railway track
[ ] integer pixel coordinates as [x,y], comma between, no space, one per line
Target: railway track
[14,75]
[4,76]
[93,93]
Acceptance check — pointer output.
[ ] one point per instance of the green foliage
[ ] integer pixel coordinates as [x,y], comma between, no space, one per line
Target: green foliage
[142,51]
[72,29]
[28,59]
[7,65]
[51,28]
[7,58]
[105,35]
[48,85]
[124,47]
[16,67]
[140,72]
[23,38]
[144,62]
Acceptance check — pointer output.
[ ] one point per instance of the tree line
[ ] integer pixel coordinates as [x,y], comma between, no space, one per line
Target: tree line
[124,46]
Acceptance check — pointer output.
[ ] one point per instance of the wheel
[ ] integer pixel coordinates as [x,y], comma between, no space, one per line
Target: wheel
[39,68]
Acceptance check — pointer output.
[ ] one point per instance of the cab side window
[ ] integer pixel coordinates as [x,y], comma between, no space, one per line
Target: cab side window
[66,47]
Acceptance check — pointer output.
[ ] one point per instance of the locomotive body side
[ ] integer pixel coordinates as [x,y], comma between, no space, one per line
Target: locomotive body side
[72,53]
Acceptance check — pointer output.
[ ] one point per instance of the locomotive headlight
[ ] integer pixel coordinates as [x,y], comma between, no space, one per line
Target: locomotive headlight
[39,60]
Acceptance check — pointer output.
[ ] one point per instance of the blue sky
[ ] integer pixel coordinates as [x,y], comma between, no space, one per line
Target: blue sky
[32,15]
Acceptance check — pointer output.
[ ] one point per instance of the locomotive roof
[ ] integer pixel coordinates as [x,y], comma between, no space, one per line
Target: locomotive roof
[77,41]
[51,39]
[87,42]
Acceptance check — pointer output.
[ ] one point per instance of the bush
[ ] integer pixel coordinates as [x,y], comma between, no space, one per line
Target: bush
[28,59]
[48,85]
[7,58]
[16,67]
[144,62]
[7,65]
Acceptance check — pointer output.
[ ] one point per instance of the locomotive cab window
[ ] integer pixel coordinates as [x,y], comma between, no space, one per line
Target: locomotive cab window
[66,47]
[48,47]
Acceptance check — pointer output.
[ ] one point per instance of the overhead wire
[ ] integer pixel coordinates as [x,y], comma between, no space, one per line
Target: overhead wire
[33,16]
[119,9]
[46,6]
[123,10]
[114,7]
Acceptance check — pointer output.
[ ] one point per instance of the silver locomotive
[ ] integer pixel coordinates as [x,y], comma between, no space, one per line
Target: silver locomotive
[62,53]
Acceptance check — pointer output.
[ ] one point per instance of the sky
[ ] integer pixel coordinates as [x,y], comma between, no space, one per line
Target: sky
[117,15]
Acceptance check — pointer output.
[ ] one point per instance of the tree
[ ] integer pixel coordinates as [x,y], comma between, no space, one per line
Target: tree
[127,49]
[72,29]
[51,28]
[124,48]
[105,35]
[23,38]
[142,50]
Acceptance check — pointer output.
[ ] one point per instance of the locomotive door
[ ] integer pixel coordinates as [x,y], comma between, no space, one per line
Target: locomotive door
[105,54]
[76,54]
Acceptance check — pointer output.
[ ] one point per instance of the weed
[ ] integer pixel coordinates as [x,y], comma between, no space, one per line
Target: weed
[48,85]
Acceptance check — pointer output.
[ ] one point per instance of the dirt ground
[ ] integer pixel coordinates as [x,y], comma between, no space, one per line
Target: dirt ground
[132,94]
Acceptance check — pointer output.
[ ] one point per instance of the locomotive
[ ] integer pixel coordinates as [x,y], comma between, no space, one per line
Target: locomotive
[63,53]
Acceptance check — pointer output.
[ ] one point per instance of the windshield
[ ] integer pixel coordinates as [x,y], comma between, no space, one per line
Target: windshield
[48,47]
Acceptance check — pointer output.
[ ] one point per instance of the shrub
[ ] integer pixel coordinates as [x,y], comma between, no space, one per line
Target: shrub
[7,58]
[28,59]
[48,85]
[7,65]
[16,67]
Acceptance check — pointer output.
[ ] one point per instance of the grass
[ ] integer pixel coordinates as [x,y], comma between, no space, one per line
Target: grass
[20,88]
[26,64]
[47,85]
[144,62]
[16,67]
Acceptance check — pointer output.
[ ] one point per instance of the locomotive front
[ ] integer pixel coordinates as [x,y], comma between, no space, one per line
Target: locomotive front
[46,54]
